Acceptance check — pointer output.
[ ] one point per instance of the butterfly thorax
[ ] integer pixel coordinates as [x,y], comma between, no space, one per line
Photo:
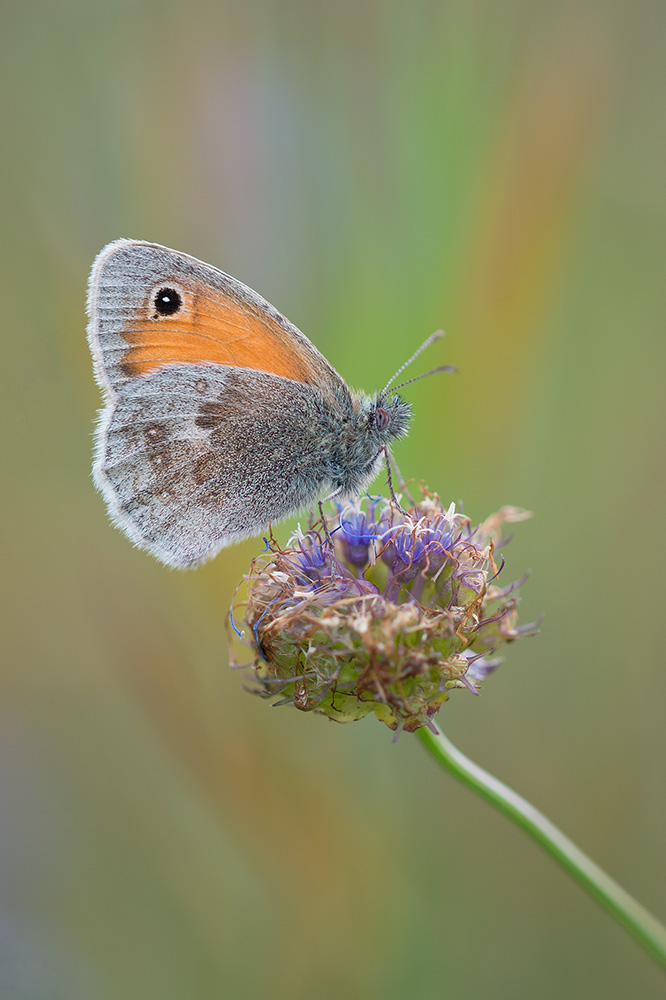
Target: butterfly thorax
[370,426]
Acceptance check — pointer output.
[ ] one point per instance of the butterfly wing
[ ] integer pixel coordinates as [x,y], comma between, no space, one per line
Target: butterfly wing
[216,404]
[187,467]
[150,306]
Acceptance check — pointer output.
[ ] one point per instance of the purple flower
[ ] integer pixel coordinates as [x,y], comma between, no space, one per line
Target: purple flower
[420,546]
[358,531]
[387,618]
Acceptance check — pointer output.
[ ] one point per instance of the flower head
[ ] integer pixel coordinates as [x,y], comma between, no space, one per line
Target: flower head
[387,616]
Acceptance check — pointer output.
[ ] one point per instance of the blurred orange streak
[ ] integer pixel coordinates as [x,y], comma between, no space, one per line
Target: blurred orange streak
[527,196]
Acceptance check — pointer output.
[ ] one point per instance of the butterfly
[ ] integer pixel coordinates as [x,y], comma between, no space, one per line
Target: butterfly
[219,416]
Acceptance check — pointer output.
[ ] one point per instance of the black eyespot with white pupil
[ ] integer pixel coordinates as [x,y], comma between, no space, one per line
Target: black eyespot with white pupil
[382,418]
[167,301]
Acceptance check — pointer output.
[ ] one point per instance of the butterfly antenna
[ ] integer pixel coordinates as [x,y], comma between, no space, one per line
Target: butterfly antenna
[433,371]
[437,335]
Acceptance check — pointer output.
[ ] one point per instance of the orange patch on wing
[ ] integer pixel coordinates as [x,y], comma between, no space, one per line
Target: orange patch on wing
[213,327]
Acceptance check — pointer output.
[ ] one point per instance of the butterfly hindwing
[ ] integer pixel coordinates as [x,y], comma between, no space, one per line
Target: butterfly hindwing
[186,469]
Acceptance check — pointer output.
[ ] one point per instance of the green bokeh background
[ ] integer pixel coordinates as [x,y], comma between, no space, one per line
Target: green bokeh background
[377,170]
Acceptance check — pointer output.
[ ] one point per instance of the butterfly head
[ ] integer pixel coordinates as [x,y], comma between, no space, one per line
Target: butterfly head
[359,447]
[388,418]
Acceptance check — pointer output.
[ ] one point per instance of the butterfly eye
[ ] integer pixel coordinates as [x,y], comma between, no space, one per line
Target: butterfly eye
[167,301]
[382,418]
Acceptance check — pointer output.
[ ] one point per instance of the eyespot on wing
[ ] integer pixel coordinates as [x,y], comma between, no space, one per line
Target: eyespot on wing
[151,306]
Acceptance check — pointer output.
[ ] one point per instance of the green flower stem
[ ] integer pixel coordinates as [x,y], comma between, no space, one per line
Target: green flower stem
[635,918]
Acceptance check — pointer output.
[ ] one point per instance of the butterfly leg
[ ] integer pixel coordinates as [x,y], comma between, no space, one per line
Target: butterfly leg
[320,504]
[401,480]
[389,479]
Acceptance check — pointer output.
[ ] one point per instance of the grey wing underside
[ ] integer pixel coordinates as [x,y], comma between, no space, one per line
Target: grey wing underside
[193,458]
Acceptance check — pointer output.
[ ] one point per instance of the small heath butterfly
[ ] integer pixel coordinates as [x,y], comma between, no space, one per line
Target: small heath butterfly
[219,415]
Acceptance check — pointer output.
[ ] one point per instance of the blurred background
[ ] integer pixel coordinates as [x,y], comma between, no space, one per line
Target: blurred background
[376,170]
